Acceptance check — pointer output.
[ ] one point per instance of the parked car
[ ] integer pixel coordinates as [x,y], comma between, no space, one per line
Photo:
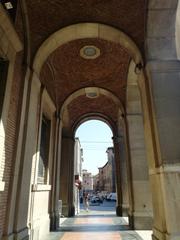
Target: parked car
[96,199]
[111,197]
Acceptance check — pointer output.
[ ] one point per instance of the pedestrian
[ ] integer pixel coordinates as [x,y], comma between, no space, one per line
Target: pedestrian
[85,201]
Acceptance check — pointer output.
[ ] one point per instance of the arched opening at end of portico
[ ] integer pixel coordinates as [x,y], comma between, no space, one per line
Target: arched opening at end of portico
[86,96]
[96,165]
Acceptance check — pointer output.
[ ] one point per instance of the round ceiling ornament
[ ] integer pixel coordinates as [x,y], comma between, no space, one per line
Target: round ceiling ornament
[89,52]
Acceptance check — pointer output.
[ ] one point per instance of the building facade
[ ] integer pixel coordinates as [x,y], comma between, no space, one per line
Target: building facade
[96,183]
[106,176]
[78,159]
[87,182]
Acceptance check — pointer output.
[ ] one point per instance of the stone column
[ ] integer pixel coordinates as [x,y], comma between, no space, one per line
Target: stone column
[13,195]
[165,174]
[21,224]
[125,178]
[142,203]
[55,215]
[117,149]
[67,176]
[164,83]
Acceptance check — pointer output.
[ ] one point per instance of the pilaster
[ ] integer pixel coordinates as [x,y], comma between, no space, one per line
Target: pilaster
[165,181]
[67,176]
[118,163]
[55,211]
[142,205]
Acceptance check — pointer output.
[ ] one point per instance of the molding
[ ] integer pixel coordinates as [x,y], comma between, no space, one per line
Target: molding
[168,168]
[83,91]
[2,186]
[145,213]
[158,234]
[163,66]
[40,187]
[80,31]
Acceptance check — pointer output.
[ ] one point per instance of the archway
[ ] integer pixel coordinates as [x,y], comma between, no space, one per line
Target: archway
[52,74]
[110,93]
[98,166]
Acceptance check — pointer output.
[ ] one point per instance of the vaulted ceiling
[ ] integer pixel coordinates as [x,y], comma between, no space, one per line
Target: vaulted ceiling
[69,71]
[65,70]
[46,17]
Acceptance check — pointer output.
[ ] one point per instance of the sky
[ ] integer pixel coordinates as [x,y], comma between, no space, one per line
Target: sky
[95,137]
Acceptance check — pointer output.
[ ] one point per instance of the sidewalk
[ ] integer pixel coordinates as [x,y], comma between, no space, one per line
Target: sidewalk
[97,225]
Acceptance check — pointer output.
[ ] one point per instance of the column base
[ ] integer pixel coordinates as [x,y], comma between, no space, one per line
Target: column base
[21,235]
[131,221]
[54,221]
[68,211]
[143,222]
[71,211]
[125,210]
[158,235]
[119,211]
[140,222]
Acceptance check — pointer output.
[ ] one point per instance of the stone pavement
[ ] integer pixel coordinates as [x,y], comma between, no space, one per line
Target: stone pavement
[97,225]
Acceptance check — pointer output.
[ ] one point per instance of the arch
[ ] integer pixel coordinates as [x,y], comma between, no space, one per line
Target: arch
[84,91]
[94,116]
[85,30]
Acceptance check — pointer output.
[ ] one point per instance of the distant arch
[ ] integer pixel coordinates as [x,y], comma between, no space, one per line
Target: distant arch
[94,116]
[84,91]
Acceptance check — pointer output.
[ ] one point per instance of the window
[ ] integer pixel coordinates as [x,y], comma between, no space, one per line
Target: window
[44,150]
[3,77]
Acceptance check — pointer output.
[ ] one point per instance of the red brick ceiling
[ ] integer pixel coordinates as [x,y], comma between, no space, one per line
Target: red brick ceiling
[83,105]
[65,71]
[46,17]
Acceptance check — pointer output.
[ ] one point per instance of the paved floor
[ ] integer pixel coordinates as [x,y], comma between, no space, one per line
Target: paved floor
[97,224]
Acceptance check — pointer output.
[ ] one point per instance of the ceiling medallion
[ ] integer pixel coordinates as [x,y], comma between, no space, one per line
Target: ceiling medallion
[89,52]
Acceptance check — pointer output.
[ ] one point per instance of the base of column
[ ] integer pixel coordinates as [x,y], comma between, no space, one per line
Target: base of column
[119,211]
[54,221]
[21,235]
[131,221]
[125,210]
[65,210]
[143,222]
[166,237]
[140,222]
[158,235]
[68,211]
[71,211]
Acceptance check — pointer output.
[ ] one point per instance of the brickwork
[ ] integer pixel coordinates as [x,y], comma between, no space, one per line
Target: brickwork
[11,134]
[83,105]
[66,69]
[127,15]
